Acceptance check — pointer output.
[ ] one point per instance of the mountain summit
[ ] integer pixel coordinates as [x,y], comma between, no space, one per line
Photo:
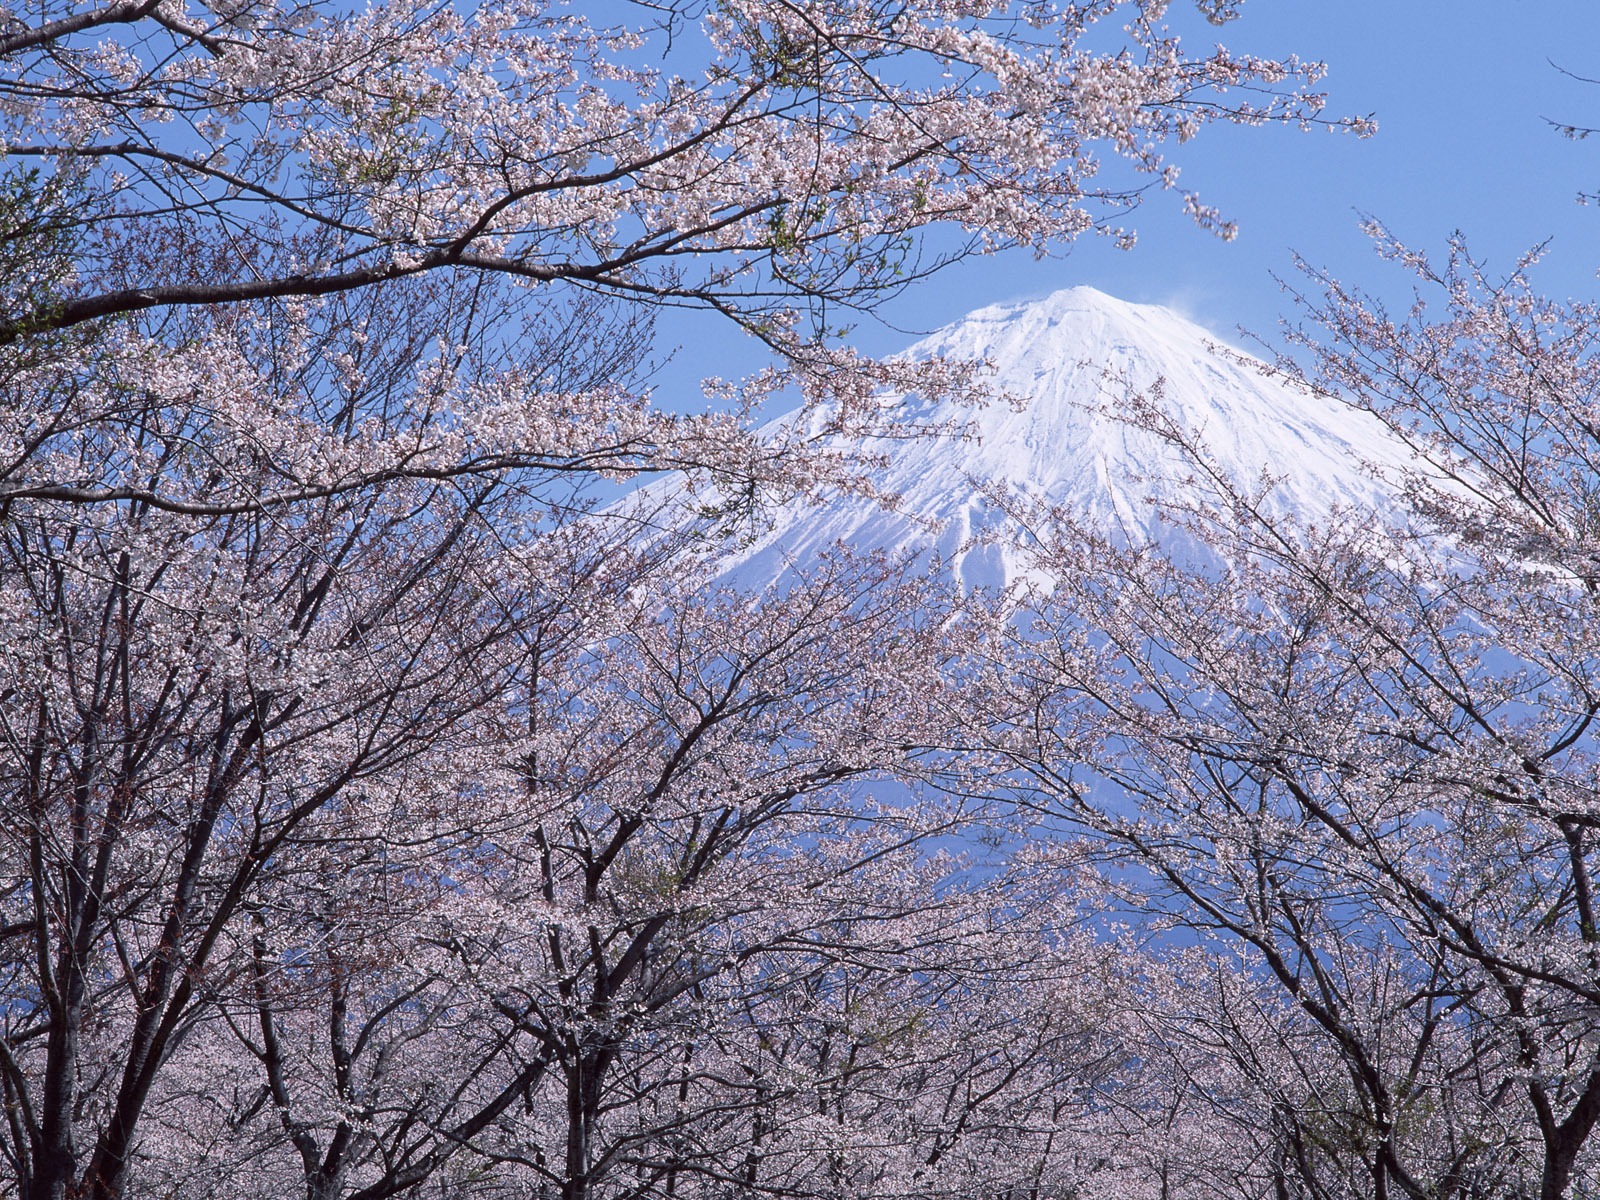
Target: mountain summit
[1076,356]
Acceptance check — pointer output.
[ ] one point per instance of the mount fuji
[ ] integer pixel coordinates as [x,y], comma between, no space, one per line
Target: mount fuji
[1074,356]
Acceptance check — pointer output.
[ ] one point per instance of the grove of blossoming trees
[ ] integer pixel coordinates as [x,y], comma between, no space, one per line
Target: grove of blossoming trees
[375,822]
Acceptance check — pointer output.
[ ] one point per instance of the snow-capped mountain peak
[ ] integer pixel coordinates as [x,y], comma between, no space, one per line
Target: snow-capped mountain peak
[1077,357]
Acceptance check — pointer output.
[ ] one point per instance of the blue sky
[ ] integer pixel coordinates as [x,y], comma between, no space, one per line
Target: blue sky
[1463,91]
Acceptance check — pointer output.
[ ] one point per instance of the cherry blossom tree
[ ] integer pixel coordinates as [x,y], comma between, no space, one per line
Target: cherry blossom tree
[1364,750]
[740,155]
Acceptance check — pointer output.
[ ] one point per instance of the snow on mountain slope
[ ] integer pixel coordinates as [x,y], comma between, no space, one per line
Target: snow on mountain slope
[1073,355]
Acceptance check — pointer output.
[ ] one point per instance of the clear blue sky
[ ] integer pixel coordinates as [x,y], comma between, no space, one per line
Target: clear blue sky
[1462,90]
